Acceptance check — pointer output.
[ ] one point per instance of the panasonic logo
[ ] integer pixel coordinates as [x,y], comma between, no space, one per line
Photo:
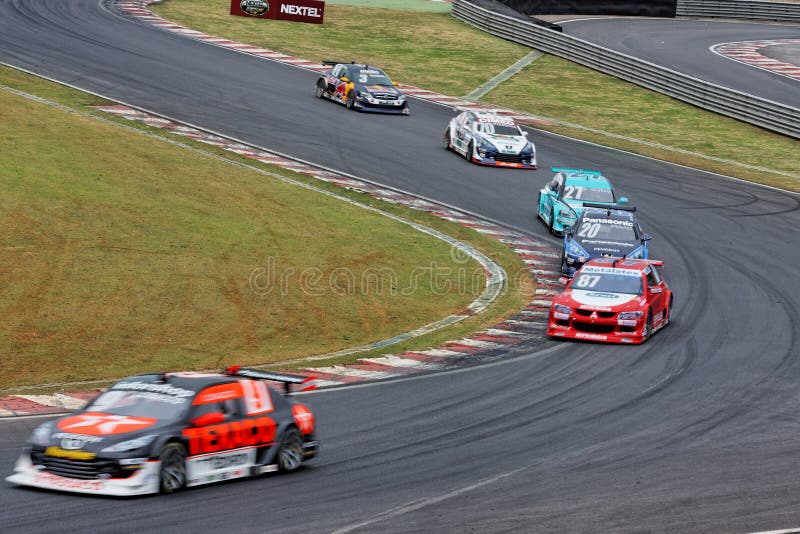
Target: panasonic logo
[291,9]
[608,221]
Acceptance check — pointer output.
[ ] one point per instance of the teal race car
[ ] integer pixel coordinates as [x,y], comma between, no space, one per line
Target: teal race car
[562,200]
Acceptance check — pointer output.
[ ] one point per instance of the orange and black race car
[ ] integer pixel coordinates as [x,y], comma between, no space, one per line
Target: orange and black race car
[163,432]
[361,87]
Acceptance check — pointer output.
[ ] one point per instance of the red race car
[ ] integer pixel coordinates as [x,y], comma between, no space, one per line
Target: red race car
[615,300]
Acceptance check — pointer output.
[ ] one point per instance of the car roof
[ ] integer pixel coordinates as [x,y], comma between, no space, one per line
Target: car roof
[604,213]
[356,67]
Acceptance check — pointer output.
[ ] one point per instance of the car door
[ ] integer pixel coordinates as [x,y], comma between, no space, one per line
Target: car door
[656,295]
[463,135]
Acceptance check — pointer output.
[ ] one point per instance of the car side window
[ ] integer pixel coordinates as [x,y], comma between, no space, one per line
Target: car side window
[652,277]
[229,407]
[555,184]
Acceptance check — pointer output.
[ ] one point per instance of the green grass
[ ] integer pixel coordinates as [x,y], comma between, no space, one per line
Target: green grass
[437,52]
[122,254]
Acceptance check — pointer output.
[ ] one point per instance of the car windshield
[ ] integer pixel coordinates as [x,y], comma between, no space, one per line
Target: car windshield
[587,194]
[609,282]
[141,403]
[606,229]
[370,76]
[493,128]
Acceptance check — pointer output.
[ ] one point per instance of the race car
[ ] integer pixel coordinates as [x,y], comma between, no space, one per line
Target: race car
[561,200]
[489,139]
[613,300]
[361,87]
[162,432]
[603,232]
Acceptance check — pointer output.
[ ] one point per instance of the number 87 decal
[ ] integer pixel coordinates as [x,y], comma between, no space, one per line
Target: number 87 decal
[587,280]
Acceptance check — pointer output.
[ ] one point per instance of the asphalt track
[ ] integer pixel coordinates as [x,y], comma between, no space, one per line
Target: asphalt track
[683,45]
[694,431]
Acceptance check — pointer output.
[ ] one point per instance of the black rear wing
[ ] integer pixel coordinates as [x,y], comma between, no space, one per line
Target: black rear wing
[608,206]
[331,63]
[286,379]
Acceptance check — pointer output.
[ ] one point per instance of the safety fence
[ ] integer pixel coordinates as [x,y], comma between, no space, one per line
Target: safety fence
[739,9]
[735,104]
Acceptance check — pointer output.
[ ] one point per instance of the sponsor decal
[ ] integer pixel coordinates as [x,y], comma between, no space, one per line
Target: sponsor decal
[165,389]
[496,120]
[82,437]
[608,221]
[57,452]
[213,438]
[600,295]
[52,480]
[584,335]
[592,269]
[255,8]
[99,424]
[219,393]
[304,11]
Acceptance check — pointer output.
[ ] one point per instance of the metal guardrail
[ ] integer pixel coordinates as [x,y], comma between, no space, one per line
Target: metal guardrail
[739,9]
[735,104]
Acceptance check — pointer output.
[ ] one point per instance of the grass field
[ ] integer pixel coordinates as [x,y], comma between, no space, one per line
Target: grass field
[122,253]
[437,52]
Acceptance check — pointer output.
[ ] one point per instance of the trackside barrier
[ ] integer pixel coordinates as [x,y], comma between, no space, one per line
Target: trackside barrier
[741,106]
[739,9]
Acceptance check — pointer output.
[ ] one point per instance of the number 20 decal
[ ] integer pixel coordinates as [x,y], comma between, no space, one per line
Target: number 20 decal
[589,230]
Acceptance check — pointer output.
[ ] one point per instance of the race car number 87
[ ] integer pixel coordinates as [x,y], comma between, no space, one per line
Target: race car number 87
[587,280]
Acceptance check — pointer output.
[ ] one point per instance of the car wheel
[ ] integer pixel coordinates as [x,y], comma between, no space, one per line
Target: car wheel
[470,151]
[564,264]
[539,207]
[351,100]
[668,312]
[320,90]
[172,477]
[648,325]
[446,139]
[290,455]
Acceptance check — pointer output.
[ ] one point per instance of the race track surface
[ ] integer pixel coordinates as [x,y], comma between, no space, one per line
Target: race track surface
[683,46]
[694,431]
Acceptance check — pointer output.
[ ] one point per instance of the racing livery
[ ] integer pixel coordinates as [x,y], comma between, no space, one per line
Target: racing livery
[361,87]
[612,300]
[602,232]
[163,432]
[489,139]
[562,199]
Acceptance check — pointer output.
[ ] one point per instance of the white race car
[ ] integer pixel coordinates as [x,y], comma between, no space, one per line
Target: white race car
[490,139]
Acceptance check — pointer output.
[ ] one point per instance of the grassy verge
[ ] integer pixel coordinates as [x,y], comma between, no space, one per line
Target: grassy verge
[122,254]
[439,53]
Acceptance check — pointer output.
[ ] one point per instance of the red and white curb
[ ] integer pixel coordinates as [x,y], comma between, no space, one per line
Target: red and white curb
[541,257]
[748,52]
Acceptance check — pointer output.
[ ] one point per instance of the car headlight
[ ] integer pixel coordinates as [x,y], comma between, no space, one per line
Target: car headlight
[363,95]
[630,315]
[131,444]
[574,249]
[485,147]
[636,254]
[41,434]
[560,308]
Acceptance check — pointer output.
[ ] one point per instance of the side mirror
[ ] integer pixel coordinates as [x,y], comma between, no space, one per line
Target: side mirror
[211,418]
[656,289]
[622,200]
[345,79]
[395,84]
[646,237]
[524,133]
[568,231]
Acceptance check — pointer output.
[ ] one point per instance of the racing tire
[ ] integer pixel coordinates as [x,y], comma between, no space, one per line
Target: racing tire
[172,476]
[446,140]
[290,453]
[470,151]
[351,101]
[563,264]
[668,311]
[648,326]
[539,207]
[320,90]
[552,219]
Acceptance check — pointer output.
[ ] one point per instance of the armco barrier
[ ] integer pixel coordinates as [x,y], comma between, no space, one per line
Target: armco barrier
[739,9]
[760,112]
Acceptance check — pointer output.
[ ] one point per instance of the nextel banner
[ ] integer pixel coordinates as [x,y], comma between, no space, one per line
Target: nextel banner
[294,10]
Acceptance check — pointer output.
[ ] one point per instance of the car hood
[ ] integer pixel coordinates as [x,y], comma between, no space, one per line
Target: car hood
[511,144]
[599,300]
[381,89]
[94,431]
[600,247]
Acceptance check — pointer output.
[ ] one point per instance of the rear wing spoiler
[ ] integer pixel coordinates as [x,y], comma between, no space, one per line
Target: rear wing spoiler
[608,206]
[578,171]
[657,263]
[286,379]
[331,63]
